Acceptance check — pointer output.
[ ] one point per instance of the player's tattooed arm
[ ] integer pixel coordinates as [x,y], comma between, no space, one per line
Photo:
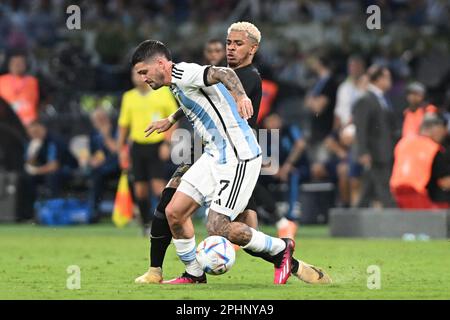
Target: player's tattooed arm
[228,77]
[231,81]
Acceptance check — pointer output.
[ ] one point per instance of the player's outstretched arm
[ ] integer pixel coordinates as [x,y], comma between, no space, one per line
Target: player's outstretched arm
[231,81]
[164,124]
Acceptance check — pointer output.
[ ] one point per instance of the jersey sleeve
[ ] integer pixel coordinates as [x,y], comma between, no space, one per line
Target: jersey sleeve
[189,75]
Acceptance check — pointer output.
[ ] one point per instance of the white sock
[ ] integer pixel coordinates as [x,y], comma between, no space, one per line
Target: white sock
[186,252]
[261,242]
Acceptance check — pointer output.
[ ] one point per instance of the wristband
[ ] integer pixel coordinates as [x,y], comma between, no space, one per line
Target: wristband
[171,119]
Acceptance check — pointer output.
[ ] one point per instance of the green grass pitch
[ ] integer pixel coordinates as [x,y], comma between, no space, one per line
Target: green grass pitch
[34,262]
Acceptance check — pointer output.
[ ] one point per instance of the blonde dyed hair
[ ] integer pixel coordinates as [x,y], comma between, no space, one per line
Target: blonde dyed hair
[251,30]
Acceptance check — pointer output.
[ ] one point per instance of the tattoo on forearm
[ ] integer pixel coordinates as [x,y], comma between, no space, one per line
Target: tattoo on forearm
[228,77]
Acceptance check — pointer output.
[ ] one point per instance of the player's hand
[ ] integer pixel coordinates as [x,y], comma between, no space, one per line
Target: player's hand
[158,126]
[245,107]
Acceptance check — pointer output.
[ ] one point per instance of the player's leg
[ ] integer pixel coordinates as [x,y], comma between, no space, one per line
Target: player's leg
[160,235]
[250,218]
[237,182]
[196,184]
[279,250]
[304,271]
[179,212]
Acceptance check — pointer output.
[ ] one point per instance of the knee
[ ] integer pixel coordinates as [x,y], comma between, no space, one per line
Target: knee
[173,215]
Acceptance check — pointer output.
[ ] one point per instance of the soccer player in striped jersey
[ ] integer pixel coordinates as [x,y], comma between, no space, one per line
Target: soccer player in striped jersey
[242,44]
[224,177]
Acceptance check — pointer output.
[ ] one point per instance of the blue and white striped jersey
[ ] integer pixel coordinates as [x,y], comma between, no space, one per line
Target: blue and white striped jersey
[212,111]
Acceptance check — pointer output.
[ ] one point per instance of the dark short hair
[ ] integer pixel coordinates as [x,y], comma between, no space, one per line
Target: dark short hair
[376,71]
[148,49]
[214,40]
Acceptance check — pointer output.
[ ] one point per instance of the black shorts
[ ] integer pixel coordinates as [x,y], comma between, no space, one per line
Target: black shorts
[145,162]
[251,205]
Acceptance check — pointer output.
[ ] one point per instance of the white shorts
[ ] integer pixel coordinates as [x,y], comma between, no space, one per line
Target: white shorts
[224,188]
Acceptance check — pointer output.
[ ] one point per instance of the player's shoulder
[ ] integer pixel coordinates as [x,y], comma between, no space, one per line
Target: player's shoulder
[182,72]
[182,67]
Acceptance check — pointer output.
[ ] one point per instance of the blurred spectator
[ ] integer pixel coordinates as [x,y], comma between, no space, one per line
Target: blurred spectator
[348,170]
[214,53]
[413,43]
[421,174]
[294,168]
[20,90]
[320,103]
[48,162]
[416,110]
[350,90]
[373,118]
[103,163]
[13,138]
[141,106]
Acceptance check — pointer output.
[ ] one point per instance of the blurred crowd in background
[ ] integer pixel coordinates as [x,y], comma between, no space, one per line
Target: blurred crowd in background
[318,61]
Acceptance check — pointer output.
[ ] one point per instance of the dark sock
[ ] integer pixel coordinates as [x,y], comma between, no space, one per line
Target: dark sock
[262,255]
[272,259]
[144,210]
[160,233]
[160,240]
[295,265]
